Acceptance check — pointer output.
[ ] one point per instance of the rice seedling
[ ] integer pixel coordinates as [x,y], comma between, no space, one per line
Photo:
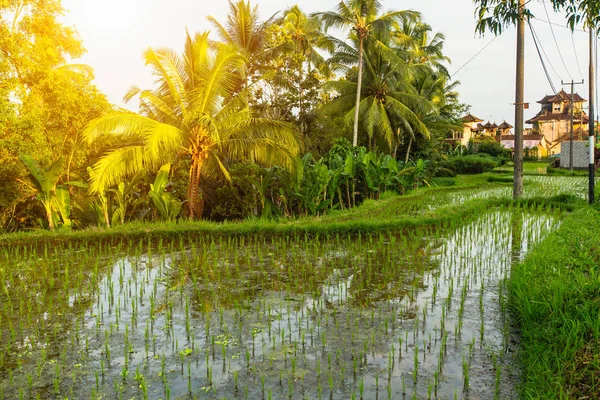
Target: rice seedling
[144,317]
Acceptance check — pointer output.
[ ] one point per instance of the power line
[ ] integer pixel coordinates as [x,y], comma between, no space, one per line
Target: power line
[475,56]
[559,25]
[541,58]
[556,42]
[576,56]
[544,51]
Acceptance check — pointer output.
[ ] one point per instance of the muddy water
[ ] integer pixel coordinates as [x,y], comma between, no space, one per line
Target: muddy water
[373,317]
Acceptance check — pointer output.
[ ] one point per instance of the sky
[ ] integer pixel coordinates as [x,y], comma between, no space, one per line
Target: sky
[116,32]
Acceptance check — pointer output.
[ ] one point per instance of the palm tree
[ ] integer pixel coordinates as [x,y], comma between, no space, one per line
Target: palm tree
[389,103]
[414,36]
[246,32]
[305,35]
[194,114]
[361,16]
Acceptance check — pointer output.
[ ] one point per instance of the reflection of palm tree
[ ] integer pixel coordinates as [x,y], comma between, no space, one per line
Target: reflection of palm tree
[194,114]
[362,17]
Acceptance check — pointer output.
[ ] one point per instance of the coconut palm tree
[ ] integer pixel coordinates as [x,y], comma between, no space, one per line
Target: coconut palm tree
[389,104]
[362,17]
[193,113]
[246,32]
[415,37]
[305,36]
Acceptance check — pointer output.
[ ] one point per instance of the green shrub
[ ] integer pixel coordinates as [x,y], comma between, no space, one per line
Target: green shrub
[443,181]
[472,164]
[493,149]
[501,179]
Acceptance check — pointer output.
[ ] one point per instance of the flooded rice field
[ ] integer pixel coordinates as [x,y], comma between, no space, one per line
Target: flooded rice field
[421,314]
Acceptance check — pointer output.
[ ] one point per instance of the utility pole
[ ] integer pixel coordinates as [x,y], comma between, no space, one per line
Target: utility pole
[573,83]
[592,131]
[519,103]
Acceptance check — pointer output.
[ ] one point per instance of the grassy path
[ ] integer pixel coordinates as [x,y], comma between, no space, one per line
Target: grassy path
[555,296]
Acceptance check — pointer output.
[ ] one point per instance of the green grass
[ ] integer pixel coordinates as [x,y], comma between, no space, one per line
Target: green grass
[566,172]
[529,168]
[429,206]
[555,296]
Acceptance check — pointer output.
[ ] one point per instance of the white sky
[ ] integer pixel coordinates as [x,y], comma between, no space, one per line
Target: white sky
[116,32]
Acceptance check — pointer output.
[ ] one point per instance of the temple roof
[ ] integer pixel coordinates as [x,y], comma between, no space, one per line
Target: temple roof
[505,125]
[564,116]
[471,118]
[560,97]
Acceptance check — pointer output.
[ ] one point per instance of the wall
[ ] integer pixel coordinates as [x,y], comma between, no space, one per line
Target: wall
[580,154]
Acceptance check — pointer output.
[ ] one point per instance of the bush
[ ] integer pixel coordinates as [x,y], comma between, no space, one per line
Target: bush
[472,164]
[493,149]
[443,181]
[501,179]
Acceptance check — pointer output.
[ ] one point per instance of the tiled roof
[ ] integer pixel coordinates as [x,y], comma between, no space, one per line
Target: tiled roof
[505,125]
[561,97]
[471,118]
[564,116]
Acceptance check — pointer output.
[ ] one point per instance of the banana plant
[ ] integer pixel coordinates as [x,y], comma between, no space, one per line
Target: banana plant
[55,199]
[168,206]
[124,194]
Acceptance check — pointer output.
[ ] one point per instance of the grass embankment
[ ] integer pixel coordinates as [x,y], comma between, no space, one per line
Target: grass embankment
[441,205]
[555,295]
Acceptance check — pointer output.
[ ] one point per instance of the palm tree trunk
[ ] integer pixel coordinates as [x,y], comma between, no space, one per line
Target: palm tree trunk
[300,94]
[195,201]
[358,89]
[408,150]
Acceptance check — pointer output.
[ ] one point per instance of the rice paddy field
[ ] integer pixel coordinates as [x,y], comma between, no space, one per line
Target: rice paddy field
[414,313]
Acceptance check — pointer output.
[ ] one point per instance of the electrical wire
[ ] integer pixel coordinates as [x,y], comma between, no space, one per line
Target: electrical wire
[556,42]
[475,56]
[537,37]
[559,25]
[537,47]
[576,56]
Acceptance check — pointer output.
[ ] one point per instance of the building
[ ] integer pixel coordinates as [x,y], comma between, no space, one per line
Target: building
[473,129]
[471,126]
[553,122]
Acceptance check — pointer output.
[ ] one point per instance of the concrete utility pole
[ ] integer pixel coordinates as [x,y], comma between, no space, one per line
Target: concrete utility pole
[592,131]
[519,103]
[573,83]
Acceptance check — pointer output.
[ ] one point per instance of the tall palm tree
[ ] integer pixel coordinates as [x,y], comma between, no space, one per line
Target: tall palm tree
[246,32]
[389,103]
[193,113]
[305,34]
[362,17]
[414,36]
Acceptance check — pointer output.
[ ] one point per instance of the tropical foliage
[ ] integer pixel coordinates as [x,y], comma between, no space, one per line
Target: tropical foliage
[250,119]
